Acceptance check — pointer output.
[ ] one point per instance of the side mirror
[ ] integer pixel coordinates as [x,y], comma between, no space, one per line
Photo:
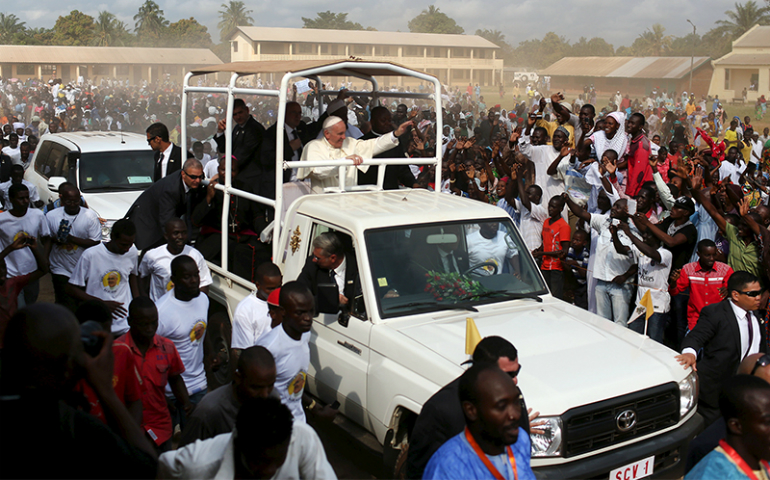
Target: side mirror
[55,182]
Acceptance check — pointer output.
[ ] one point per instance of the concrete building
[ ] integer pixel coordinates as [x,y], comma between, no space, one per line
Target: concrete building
[747,66]
[635,76]
[123,63]
[453,59]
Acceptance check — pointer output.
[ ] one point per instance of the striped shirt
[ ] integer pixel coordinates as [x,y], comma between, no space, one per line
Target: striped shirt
[704,287]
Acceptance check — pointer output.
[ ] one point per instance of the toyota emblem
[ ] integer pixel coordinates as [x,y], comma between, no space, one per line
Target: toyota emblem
[626,420]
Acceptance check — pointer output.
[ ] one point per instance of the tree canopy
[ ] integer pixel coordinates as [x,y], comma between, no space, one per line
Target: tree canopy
[432,20]
[332,21]
[233,15]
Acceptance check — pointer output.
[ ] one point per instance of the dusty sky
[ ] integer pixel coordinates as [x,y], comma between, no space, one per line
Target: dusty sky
[618,21]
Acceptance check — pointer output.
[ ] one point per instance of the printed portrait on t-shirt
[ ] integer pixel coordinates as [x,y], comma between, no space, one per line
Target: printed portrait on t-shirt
[111,280]
[69,248]
[21,233]
[197,331]
[297,385]
[169,286]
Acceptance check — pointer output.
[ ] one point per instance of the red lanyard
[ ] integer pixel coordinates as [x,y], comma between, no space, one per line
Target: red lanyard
[730,451]
[483,457]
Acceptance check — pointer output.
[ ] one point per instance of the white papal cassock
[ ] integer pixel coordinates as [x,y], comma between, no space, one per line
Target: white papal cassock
[322,177]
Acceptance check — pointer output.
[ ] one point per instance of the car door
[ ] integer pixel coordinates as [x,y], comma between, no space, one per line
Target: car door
[339,349]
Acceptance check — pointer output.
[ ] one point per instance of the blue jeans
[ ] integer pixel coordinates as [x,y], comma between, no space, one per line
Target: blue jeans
[656,326]
[613,301]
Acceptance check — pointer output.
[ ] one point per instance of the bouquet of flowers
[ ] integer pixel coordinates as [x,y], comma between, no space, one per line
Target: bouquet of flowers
[452,286]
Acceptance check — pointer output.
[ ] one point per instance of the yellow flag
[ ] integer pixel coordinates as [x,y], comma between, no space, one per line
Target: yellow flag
[646,302]
[472,336]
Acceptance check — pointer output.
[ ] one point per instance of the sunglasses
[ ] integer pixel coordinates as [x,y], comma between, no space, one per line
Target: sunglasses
[149,140]
[762,361]
[516,372]
[195,177]
[753,293]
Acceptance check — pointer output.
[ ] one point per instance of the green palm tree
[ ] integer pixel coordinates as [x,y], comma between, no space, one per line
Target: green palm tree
[9,27]
[107,30]
[495,36]
[654,41]
[149,19]
[233,16]
[743,18]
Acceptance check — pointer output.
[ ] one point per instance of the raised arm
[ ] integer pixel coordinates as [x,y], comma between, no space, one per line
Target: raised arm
[576,209]
[698,195]
[638,243]
[619,247]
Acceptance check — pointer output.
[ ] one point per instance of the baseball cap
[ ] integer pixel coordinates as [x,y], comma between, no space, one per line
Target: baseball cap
[685,203]
[272,299]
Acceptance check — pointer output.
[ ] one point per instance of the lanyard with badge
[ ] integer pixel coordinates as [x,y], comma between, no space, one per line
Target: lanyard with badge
[740,462]
[488,463]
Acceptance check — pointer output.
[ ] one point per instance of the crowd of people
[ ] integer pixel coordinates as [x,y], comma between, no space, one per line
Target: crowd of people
[650,213]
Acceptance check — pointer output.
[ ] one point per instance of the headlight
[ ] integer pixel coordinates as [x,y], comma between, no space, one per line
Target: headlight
[688,394]
[106,229]
[548,442]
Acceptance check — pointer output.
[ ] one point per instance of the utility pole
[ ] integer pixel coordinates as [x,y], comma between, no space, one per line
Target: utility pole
[692,54]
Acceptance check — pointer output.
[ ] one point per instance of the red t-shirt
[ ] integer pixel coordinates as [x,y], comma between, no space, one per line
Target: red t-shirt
[161,361]
[126,381]
[553,234]
[639,170]
[9,294]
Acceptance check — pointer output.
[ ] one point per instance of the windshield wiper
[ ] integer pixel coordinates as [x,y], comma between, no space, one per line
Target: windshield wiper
[503,293]
[439,306]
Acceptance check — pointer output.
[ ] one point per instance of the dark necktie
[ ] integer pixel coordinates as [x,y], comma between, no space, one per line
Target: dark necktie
[159,167]
[333,279]
[751,334]
[452,263]
[294,137]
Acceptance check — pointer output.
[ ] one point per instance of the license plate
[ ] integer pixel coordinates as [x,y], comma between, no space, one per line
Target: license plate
[632,471]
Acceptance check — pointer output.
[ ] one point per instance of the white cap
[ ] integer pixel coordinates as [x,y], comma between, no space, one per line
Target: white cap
[18,125]
[331,121]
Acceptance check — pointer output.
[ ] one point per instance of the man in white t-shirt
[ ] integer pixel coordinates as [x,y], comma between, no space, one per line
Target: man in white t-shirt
[488,246]
[531,213]
[266,443]
[72,229]
[183,319]
[17,177]
[155,269]
[654,265]
[252,318]
[22,221]
[289,345]
[107,272]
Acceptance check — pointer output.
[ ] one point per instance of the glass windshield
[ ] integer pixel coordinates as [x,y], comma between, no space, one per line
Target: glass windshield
[440,266]
[106,171]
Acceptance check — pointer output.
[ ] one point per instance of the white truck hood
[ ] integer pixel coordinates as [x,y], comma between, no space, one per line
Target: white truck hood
[569,358]
[111,205]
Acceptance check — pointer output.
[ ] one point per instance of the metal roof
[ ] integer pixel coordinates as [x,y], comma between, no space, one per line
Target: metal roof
[345,67]
[44,54]
[745,59]
[390,208]
[365,37]
[624,67]
[757,36]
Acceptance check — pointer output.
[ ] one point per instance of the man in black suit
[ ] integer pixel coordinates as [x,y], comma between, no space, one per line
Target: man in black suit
[331,274]
[382,124]
[727,332]
[173,196]
[247,140]
[439,250]
[296,134]
[168,157]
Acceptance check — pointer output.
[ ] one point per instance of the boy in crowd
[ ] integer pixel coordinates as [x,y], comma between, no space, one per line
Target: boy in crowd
[107,272]
[252,318]
[531,213]
[577,259]
[556,241]
[653,264]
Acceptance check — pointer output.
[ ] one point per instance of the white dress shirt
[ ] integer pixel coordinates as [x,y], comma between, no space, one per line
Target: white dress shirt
[339,275]
[164,163]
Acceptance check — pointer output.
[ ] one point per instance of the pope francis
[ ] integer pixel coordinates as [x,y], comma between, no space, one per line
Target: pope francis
[335,145]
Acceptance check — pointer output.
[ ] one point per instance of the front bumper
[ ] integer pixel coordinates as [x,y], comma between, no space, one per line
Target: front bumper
[670,450]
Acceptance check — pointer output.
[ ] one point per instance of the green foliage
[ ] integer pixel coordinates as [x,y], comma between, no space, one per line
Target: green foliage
[10,28]
[150,23]
[743,18]
[187,33]
[432,20]
[74,29]
[332,21]
[233,15]
[109,31]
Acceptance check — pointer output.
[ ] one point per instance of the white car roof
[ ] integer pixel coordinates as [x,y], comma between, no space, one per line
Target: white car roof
[365,210]
[100,141]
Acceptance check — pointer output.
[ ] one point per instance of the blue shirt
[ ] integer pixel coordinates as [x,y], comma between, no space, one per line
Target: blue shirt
[456,459]
[717,465]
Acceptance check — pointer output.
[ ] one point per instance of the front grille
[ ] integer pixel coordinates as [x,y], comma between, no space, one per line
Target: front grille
[594,426]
